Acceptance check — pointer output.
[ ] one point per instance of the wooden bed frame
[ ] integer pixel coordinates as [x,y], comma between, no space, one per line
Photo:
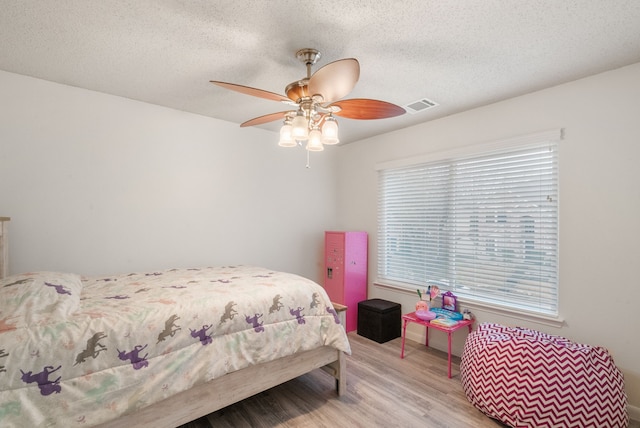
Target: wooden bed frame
[228,389]
[233,387]
[4,246]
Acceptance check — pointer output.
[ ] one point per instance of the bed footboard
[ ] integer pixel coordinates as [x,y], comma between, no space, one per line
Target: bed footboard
[233,387]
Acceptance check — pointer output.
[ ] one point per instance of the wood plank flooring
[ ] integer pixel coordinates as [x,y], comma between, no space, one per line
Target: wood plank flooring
[382,391]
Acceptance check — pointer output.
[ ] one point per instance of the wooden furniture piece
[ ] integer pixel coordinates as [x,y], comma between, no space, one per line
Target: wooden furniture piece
[233,387]
[345,258]
[4,246]
[408,318]
[236,386]
[137,398]
[341,310]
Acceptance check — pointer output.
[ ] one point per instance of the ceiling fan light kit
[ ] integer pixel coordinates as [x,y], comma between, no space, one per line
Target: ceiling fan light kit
[286,137]
[300,125]
[330,131]
[314,143]
[317,100]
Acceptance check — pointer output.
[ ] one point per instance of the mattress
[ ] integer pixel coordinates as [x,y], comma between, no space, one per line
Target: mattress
[83,350]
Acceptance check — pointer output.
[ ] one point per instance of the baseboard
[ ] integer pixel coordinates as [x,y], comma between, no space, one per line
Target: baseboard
[634,412]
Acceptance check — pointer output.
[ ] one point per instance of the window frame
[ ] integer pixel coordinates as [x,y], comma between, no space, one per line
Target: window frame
[467,152]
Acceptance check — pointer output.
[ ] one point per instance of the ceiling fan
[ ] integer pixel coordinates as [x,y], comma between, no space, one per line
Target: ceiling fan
[317,99]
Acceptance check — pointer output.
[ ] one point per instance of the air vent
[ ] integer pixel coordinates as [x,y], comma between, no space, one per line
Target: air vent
[420,105]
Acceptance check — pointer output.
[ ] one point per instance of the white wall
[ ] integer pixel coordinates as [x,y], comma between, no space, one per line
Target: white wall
[599,203]
[99,184]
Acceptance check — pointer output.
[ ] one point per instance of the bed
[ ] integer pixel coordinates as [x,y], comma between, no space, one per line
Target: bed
[157,348]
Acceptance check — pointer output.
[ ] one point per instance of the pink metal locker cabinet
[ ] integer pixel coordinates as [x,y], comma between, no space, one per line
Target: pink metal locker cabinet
[345,280]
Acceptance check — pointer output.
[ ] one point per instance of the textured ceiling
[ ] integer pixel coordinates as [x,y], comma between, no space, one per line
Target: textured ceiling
[460,54]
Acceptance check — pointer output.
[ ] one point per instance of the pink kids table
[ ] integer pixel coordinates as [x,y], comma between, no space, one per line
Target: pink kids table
[449,330]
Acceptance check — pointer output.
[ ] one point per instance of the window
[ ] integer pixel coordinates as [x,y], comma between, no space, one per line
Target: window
[484,226]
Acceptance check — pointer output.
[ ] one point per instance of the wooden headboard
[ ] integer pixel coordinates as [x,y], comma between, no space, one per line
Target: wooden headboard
[4,246]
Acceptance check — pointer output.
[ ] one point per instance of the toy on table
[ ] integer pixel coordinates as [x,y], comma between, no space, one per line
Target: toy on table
[423,305]
[445,322]
[425,315]
[434,291]
[450,301]
[445,313]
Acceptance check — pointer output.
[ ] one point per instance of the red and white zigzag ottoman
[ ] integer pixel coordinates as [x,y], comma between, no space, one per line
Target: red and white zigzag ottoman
[526,378]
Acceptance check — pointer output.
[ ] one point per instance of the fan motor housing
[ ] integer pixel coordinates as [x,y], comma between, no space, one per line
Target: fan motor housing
[297,90]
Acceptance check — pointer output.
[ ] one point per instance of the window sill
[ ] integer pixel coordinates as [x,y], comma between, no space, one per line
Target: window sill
[556,322]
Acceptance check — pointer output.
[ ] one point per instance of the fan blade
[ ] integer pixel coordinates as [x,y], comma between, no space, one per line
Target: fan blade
[363,109]
[335,80]
[265,119]
[251,91]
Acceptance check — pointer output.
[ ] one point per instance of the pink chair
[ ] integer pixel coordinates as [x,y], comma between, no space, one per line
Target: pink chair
[525,378]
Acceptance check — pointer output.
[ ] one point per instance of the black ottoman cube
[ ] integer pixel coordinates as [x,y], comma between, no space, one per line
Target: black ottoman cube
[379,320]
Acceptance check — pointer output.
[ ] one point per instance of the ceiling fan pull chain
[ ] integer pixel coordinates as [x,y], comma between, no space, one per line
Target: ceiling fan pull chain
[308,166]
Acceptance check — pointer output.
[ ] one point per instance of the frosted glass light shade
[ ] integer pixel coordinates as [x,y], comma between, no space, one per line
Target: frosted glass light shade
[286,139]
[300,128]
[330,131]
[315,141]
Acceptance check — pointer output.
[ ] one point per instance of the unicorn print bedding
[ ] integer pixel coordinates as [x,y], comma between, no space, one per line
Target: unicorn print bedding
[79,351]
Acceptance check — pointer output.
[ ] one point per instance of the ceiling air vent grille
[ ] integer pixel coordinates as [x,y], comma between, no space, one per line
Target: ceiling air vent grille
[420,105]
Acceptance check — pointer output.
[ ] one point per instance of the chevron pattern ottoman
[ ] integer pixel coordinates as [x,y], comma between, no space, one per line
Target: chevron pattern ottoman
[525,378]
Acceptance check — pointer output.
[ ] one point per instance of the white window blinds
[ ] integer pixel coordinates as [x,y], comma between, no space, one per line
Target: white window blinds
[484,227]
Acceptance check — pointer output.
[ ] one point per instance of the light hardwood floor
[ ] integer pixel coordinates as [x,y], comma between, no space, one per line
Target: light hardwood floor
[382,391]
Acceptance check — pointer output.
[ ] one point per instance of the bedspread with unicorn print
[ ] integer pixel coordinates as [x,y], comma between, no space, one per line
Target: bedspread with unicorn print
[79,351]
